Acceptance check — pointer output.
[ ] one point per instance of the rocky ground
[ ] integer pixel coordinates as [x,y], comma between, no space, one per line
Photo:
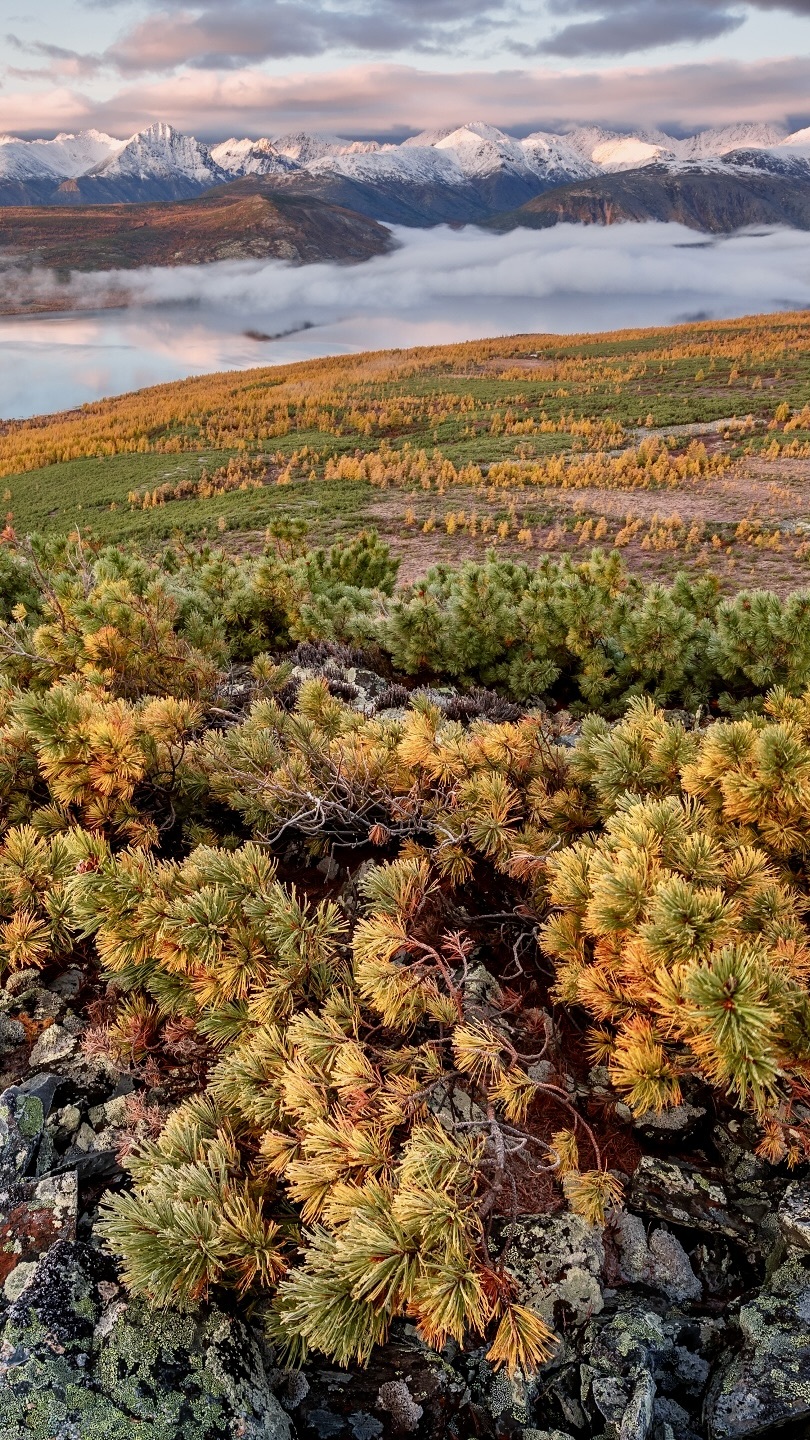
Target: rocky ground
[687,1315]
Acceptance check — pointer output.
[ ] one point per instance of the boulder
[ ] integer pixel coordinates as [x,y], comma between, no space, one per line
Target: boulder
[685,1195]
[762,1388]
[22,1121]
[794,1215]
[557,1261]
[33,1215]
[659,1261]
[54,1045]
[71,1369]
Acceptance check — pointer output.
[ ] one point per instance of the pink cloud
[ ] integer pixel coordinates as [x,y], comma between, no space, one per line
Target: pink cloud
[369,99]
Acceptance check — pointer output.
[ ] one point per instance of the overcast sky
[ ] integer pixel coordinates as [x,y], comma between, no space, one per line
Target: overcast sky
[388,67]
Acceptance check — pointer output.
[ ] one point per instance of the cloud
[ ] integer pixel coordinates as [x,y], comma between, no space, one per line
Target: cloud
[208,36]
[60,62]
[392,99]
[620,27]
[439,286]
[631,26]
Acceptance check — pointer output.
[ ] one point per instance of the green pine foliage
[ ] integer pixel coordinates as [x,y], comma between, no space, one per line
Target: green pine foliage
[168,786]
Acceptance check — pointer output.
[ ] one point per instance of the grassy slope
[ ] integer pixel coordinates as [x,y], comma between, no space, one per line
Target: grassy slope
[692,375]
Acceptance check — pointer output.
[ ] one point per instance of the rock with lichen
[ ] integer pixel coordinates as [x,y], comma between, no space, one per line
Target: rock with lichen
[556,1261]
[71,1369]
[762,1387]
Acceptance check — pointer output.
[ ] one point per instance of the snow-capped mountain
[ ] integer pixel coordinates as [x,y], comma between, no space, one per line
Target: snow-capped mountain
[162,153]
[305,149]
[64,157]
[251,157]
[723,139]
[460,174]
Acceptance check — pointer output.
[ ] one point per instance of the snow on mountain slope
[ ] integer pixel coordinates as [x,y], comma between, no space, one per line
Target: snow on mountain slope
[161,153]
[472,155]
[797,143]
[480,149]
[724,138]
[63,158]
[305,149]
[424,165]
[631,153]
[551,156]
[463,173]
[251,157]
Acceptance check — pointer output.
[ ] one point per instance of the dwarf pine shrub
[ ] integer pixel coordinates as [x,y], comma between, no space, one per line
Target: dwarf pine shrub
[369,1106]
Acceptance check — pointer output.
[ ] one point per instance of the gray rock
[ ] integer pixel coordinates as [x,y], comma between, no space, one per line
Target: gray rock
[637,1419]
[660,1261]
[22,1120]
[684,1195]
[85,1137]
[69,983]
[794,1215]
[12,1034]
[112,1112]
[679,1120]
[53,1045]
[19,981]
[622,1352]
[395,1397]
[545,1435]
[671,1270]
[763,1387]
[168,1377]
[69,1119]
[557,1261]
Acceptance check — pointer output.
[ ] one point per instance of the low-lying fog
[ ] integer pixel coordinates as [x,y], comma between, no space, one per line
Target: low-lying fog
[440,285]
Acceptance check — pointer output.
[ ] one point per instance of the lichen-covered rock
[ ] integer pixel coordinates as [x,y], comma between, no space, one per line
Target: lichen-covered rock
[659,1261]
[66,1375]
[763,1388]
[557,1261]
[685,1195]
[54,1045]
[21,1122]
[621,1353]
[794,1215]
[406,1392]
[12,1034]
[679,1121]
[33,1215]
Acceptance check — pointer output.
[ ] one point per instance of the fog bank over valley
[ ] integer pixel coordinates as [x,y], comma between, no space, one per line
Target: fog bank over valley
[437,286]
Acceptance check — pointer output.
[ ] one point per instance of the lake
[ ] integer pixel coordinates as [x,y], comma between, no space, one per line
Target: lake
[439,286]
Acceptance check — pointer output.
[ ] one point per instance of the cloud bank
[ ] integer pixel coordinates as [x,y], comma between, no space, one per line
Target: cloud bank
[439,286]
[396,99]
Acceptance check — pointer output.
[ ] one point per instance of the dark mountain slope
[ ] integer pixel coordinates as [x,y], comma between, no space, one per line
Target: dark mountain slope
[228,223]
[389,202]
[710,201]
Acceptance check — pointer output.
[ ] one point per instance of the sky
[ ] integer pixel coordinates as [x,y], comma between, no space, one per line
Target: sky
[388,68]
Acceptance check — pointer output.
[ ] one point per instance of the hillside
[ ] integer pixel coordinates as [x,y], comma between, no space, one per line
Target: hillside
[532,444]
[233,222]
[404,945]
[714,203]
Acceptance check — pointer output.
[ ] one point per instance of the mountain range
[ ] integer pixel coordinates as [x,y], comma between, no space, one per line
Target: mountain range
[718,179]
